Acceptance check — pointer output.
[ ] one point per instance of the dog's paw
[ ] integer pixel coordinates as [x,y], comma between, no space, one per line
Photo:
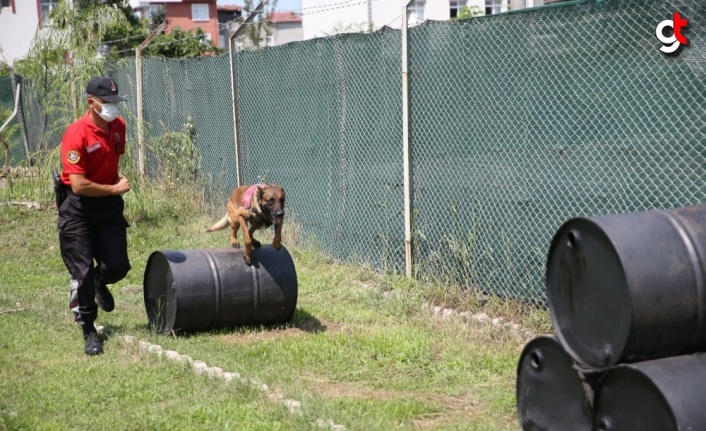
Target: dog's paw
[247,260]
[235,245]
[277,244]
[256,243]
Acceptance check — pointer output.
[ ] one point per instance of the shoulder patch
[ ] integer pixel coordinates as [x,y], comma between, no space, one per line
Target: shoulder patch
[73,157]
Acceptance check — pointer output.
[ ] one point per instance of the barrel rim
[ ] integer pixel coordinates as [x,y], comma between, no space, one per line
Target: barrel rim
[616,372]
[575,389]
[170,316]
[574,345]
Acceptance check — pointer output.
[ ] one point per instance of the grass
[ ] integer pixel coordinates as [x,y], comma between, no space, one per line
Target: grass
[363,349]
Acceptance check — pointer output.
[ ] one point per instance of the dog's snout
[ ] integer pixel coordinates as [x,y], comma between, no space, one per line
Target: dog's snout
[279,212]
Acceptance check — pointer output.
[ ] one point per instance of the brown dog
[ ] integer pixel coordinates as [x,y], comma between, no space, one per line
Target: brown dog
[250,208]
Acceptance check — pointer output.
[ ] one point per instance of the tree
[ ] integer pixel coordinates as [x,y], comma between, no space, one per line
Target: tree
[252,37]
[158,18]
[469,12]
[63,56]
[122,38]
[355,27]
[7,135]
[181,44]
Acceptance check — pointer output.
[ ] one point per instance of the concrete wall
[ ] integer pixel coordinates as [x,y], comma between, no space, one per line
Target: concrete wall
[17,29]
[322,18]
[285,32]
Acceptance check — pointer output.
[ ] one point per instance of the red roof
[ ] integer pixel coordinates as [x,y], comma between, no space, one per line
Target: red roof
[284,17]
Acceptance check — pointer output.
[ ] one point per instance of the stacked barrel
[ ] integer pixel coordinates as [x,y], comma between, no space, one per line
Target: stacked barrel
[627,296]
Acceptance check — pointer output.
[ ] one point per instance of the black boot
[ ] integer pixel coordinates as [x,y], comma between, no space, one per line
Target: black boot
[93,344]
[103,297]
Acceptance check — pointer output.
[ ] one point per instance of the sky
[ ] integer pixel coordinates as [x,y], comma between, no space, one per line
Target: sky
[294,5]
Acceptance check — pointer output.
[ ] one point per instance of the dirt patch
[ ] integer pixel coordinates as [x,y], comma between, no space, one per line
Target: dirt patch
[447,407]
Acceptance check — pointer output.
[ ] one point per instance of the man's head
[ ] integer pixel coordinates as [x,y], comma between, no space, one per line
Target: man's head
[103,98]
[105,89]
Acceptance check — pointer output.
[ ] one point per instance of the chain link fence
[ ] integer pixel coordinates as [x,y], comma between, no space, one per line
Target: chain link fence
[557,113]
[185,103]
[517,122]
[323,118]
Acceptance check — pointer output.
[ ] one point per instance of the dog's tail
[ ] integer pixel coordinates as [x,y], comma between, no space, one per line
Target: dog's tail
[220,224]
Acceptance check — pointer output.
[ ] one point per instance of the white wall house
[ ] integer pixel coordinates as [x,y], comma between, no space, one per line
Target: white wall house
[322,18]
[285,27]
[19,20]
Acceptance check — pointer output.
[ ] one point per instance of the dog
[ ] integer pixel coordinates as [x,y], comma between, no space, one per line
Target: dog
[250,208]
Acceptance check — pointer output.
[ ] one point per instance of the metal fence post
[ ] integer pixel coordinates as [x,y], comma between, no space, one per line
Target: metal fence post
[405,148]
[234,89]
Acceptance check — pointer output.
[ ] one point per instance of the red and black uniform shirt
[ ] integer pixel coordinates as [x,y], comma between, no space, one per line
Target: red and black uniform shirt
[89,150]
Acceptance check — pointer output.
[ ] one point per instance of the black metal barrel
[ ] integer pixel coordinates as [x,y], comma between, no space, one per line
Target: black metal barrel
[197,290]
[659,395]
[629,287]
[552,394]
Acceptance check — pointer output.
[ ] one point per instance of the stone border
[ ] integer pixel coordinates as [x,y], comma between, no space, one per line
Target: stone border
[478,318]
[201,368]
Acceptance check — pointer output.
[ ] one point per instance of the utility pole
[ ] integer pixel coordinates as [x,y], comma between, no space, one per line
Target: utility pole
[370,16]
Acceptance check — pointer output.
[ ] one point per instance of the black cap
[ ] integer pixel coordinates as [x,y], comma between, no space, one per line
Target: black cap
[105,88]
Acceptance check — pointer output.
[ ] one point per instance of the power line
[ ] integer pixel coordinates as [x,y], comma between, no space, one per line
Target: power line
[323,8]
[108,42]
[298,12]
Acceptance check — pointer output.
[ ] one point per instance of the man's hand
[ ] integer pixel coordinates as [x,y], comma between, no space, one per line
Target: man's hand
[122,186]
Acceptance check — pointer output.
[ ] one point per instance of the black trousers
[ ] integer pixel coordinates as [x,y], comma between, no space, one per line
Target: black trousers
[93,243]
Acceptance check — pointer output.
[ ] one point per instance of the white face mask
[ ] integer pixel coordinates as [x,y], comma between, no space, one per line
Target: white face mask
[109,111]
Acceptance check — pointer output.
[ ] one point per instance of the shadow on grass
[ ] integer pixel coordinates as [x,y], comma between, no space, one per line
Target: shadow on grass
[301,320]
[109,331]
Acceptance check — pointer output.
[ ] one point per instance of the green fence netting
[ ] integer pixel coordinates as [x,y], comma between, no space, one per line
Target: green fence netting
[517,122]
[323,118]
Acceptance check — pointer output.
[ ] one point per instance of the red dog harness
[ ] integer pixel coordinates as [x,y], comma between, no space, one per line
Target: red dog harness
[247,196]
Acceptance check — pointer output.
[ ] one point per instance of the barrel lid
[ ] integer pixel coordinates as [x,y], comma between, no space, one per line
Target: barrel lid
[158,289]
[587,293]
[628,399]
[550,391]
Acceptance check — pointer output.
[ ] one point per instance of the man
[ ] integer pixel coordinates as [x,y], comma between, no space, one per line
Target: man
[91,222]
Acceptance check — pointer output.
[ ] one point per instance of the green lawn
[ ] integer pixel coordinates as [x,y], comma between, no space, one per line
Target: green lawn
[364,350]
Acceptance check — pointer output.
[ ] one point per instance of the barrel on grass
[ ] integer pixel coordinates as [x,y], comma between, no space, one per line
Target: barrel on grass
[629,287]
[552,394]
[658,395]
[197,290]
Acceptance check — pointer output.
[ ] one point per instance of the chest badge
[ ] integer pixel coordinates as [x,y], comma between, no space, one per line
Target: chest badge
[93,147]
[73,157]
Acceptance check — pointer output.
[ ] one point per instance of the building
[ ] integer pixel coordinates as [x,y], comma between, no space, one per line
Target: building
[285,27]
[19,20]
[279,28]
[322,18]
[185,14]
[227,14]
